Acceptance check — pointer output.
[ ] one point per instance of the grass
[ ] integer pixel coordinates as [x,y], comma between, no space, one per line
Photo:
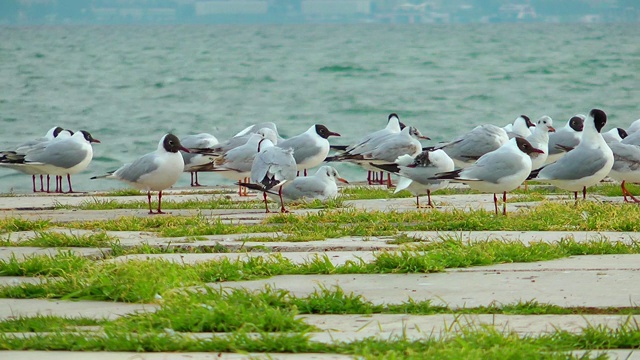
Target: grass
[58,239]
[143,280]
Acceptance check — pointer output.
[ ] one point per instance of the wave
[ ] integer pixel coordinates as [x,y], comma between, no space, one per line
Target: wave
[343,68]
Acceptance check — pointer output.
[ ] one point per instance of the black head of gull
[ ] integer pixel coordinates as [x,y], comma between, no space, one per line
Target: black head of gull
[171,144]
[577,123]
[324,132]
[599,118]
[525,146]
[88,137]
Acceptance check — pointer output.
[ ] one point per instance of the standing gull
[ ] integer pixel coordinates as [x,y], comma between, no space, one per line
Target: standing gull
[416,174]
[272,167]
[565,138]
[465,150]
[155,171]
[520,127]
[499,171]
[59,157]
[539,139]
[192,160]
[310,148]
[321,185]
[626,165]
[586,164]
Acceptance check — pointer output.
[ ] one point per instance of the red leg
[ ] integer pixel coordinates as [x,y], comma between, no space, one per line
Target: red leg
[584,193]
[42,183]
[626,192]
[264,195]
[69,181]
[495,203]
[149,200]
[33,178]
[381,178]
[417,201]
[369,177]
[305,172]
[160,203]
[282,209]
[48,189]
[192,184]
[504,203]
[429,197]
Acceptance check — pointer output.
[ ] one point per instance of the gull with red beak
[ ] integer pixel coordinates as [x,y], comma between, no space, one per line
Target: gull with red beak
[155,171]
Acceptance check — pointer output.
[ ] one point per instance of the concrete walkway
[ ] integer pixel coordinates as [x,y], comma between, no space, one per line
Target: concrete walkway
[580,281]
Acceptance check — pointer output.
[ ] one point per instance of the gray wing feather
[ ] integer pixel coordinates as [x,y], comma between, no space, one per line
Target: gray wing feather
[626,157]
[301,147]
[132,172]
[564,138]
[493,168]
[576,164]
[64,154]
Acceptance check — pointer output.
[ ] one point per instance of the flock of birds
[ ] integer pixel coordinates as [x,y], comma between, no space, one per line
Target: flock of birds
[489,158]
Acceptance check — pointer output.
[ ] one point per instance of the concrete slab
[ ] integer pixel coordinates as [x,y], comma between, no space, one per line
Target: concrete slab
[21,253]
[336,257]
[389,326]
[604,284]
[11,308]
[528,237]
[103,355]
[18,280]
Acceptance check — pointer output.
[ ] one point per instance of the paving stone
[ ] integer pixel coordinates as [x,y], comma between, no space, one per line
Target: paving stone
[10,308]
[18,280]
[389,326]
[82,355]
[600,281]
[22,252]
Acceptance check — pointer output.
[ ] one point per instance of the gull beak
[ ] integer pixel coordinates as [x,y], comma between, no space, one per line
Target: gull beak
[538,151]
[184,149]
[342,180]
[551,129]
[331,133]
[424,137]
[95,141]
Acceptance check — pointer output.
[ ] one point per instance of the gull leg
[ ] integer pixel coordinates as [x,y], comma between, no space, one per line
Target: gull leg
[624,189]
[149,200]
[389,184]
[495,203]
[192,184]
[264,195]
[33,178]
[305,172]
[417,201]
[584,193]
[369,177]
[429,198]
[41,183]
[381,178]
[504,203]
[282,209]
[69,181]
[160,203]
[48,189]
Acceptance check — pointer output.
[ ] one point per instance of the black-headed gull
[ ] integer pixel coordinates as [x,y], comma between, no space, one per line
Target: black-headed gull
[586,165]
[321,185]
[272,167]
[387,150]
[626,164]
[466,149]
[235,164]
[192,160]
[499,171]
[416,173]
[520,127]
[539,139]
[155,171]
[615,134]
[20,149]
[565,138]
[310,148]
[60,156]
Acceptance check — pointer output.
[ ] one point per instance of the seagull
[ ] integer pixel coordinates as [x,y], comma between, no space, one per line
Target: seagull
[566,138]
[310,148]
[155,171]
[371,140]
[539,139]
[235,164]
[322,185]
[520,127]
[615,134]
[240,139]
[468,148]
[50,135]
[626,164]
[498,171]
[416,173]
[60,156]
[191,160]
[585,165]
[388,150]
[634,127]
[272,167]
